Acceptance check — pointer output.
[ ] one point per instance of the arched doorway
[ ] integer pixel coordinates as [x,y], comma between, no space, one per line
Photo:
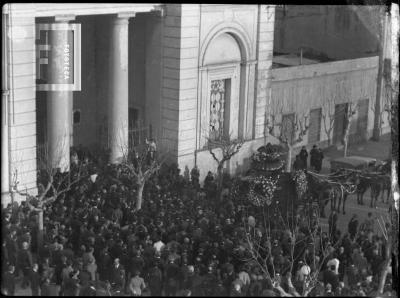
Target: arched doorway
[220,88]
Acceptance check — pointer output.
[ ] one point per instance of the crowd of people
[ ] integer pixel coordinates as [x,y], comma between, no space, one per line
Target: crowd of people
[183,242]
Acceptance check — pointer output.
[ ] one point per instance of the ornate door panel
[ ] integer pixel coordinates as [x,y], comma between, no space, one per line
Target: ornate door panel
[219,108]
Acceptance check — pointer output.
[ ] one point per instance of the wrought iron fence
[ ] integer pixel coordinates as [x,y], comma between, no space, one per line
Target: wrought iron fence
[138,136]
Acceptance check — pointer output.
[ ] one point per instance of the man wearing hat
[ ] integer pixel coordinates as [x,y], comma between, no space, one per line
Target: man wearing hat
[352,226]
[117,275]
[34,278]
[171,278]
[209,282]
[154,280]
[25,263]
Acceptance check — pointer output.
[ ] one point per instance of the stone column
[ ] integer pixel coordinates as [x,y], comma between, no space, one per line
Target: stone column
[118,104]
[5,173]
[59,104]
[5,163]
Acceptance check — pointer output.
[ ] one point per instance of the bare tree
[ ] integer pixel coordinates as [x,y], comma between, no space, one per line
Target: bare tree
[328,117]
[390,95]
[229,147]
[351,109]
[381,122]
[259,250]
[290,132]
[389,227]
[390,98]
[140,163]
[54,185]
[385,228]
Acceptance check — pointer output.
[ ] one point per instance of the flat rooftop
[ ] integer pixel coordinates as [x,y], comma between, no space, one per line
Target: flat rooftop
[289,59]
[292,60]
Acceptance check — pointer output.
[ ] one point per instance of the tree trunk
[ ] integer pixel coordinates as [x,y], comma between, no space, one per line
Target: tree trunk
[289,159]
[40,230]
[220,175]
[139,198]
[329,138]
[292,255]
[346,138]
[346,134]
[382,277]
[346,141]
[386,265]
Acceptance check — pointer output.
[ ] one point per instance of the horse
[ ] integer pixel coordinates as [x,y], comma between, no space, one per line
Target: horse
[386,184]
[345,182]
[333,188]
[365,181]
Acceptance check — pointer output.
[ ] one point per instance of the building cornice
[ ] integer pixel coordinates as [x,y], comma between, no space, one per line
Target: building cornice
[52,9]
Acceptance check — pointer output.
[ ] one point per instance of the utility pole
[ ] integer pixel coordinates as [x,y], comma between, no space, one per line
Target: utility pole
[382,49]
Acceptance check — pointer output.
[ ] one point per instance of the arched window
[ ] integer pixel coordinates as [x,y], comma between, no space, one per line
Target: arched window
[222,49]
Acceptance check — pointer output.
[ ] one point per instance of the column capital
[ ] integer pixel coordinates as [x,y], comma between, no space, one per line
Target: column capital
[63,18]
[125,15]
[122,18]
[159,10]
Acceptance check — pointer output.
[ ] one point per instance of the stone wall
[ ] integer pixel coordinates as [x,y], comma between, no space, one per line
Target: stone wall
[264,66]
[179,79]
[21,68]
[302,88]
[187,32]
